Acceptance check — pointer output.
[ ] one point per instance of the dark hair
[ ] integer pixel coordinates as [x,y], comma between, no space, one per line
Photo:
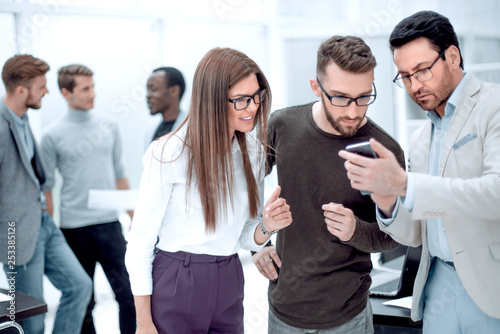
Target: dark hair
[173,77]
[350,53]
[66,75]
[207,139]
[21,70]
[431,25]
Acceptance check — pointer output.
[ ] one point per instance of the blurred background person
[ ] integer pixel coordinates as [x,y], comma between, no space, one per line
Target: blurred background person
[86,149]
[165,88]
[39,247]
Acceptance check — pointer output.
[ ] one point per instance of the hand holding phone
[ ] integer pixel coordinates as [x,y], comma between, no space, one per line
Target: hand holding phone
[364,149]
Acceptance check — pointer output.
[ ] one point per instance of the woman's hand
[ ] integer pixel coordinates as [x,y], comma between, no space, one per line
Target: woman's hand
[145,323]
[276,214]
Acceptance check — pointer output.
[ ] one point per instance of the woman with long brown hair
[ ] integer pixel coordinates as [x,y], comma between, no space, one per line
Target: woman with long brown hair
[200,200]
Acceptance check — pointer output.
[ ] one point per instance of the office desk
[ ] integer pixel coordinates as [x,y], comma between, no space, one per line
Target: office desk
[391,319]
[26,306]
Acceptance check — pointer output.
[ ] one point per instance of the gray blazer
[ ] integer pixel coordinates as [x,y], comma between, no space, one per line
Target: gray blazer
[20,200]
[466,196]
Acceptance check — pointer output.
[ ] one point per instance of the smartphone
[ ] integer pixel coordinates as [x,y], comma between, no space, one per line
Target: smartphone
[363,149]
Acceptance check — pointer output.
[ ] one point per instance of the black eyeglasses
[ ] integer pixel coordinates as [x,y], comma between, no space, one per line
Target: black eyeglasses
[244,101]
[422,75]
[344,101]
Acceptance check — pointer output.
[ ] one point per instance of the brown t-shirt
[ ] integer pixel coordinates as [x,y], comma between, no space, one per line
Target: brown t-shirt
[323,282]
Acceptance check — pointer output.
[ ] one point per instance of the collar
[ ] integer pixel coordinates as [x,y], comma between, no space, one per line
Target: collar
[451,104]
[78,115]
[18,121]
[236,146]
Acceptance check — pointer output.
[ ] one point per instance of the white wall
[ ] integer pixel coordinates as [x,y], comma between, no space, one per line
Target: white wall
[122,41]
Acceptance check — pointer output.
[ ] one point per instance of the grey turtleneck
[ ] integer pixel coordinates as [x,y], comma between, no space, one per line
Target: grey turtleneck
[86,149]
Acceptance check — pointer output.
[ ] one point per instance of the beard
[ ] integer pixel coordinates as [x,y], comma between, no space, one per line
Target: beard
[440,96]
[345,131]
[33,103]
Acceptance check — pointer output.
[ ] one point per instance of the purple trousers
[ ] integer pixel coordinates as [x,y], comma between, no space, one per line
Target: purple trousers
[197,293]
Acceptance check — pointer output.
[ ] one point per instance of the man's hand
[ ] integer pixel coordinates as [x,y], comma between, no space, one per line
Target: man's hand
[384,177]
[340,221]
[264,262]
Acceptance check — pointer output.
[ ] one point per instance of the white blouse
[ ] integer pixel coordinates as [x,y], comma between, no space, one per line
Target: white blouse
[162,210]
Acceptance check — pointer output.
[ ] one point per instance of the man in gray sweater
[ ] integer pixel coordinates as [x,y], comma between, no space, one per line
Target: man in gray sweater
[86,149]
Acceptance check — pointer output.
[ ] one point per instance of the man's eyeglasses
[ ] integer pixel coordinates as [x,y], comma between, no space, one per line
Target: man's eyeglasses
[422,75]
[344,101]
[244,101]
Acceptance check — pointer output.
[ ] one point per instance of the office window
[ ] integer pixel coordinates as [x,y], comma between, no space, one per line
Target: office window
[220,10]
[8,41]
[121,53]
[116,4]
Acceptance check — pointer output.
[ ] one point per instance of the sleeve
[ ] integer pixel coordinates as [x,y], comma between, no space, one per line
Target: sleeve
[118,161]
[271,148]
[48,153]
[155,187]
[247,239]
[400,226]
[369,238]
[407,202]
[403,229]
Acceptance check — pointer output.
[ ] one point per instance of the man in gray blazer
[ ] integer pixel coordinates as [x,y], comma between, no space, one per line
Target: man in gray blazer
[30,244]
[450,201]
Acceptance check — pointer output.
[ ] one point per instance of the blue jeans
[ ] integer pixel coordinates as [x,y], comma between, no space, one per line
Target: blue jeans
[54,258]
[448,307]
[360,324]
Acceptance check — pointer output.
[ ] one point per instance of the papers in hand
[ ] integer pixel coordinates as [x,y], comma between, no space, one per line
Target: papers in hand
[112,199]
[401,302]
[4,297]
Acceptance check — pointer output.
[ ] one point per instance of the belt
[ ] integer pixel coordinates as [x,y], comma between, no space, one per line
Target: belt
[195,258]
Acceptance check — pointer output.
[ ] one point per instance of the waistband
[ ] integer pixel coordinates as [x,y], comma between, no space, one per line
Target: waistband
[195,258]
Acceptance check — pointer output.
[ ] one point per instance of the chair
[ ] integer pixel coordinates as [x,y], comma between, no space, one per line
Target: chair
[11,327]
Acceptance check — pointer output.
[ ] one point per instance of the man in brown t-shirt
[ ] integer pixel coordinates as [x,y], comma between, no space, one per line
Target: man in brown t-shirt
[321,278]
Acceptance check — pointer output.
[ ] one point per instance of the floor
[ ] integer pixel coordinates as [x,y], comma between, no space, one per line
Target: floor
[106,309]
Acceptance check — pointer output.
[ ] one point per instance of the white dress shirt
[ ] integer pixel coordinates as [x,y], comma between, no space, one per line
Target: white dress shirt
[162,210]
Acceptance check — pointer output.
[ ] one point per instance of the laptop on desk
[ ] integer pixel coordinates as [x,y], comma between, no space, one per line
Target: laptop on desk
[395,278]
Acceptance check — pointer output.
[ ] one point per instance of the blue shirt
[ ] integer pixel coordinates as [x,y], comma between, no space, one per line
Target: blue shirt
[23,128]
[436,236]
